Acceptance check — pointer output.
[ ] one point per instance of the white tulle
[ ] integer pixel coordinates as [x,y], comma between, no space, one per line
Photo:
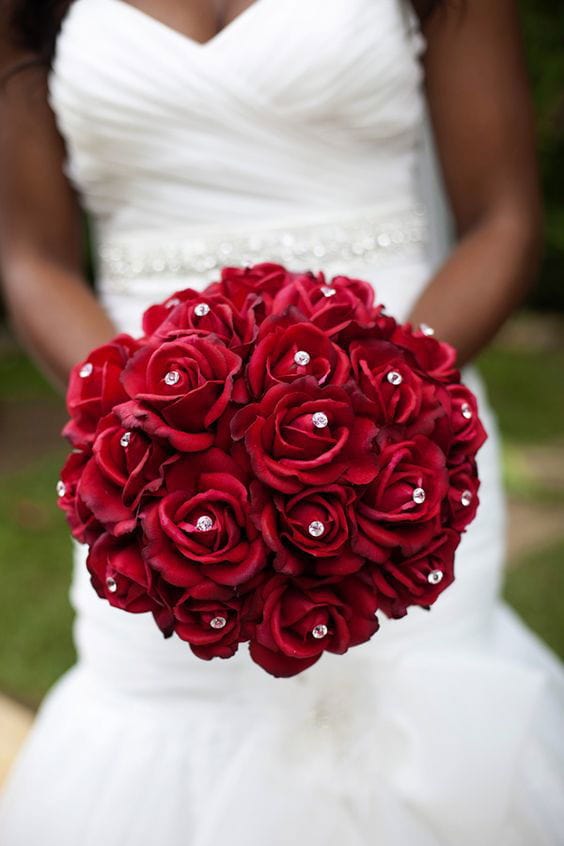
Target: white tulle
[447,729]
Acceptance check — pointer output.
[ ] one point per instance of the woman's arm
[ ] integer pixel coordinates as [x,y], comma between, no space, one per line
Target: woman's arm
[41,248]
[482,116]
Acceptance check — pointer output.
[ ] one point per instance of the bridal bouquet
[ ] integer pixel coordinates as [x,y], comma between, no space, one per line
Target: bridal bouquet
[275,461]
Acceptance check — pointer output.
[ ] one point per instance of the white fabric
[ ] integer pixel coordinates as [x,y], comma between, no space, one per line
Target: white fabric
[447,729]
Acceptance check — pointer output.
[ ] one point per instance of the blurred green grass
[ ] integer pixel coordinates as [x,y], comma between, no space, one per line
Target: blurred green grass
[536,589]
[35,549]
[20,380]
[525,387]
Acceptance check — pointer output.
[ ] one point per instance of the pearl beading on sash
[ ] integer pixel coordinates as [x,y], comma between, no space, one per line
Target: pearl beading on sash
[364,238]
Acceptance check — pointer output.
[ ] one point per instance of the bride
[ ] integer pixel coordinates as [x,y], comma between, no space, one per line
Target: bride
[290,131]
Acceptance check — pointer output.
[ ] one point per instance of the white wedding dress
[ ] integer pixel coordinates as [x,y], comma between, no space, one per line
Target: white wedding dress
[293,135]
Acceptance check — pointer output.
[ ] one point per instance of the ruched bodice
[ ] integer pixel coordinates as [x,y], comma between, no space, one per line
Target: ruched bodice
[297,104]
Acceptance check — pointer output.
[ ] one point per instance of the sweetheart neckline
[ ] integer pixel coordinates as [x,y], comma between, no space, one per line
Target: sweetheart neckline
[230,26]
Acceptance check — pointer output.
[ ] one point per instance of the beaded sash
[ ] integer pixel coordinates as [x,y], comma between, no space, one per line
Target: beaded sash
[347,239]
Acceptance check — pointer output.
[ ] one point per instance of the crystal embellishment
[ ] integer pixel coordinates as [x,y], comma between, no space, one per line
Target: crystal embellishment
[86,370]
[201,310]
[316,528]
[204,523]
[320,631]
[466,498]
[218,622]
[61,488]
[302,358]
[111,584]
[394,378]
[466,411]
[327,291]
[418,496]
[426,329]
[434,577]
[172,378]
[125,439]
[338,242]
[320,420]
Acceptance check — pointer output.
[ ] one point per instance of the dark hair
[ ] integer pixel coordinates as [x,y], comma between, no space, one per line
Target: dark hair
[34,25]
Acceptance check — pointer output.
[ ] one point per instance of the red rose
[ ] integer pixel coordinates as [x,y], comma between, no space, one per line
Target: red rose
[95,388]
[120,575]
[189,312]
[156,315]
[331,306]
[201,528]
[125,466]
[242,285]
[302,434]
[84,525]
[463,494]
[281,343]
[179,390]
[310,531]
[301,620]
[398,393]
[402,506]
[434,358]
[468,432]
[209,621]
[418,579]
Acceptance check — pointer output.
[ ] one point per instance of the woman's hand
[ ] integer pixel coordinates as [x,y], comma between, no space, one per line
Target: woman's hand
[41,244]
[482,116]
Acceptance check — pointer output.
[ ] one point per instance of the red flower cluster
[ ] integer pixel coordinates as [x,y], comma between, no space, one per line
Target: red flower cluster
[274,461]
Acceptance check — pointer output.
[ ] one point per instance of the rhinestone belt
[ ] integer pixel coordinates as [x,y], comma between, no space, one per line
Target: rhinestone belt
[363,237]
